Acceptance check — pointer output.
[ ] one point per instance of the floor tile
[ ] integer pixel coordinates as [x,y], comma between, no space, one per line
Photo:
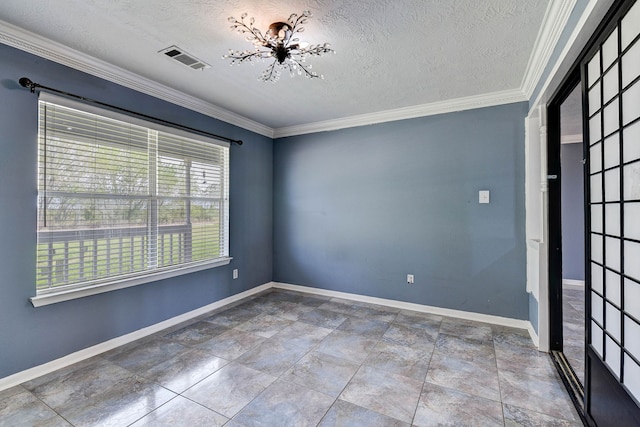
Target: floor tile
[233,316]
[79,385]
[347,346]
[181,412]
[546,395]
[271,305]
[89,364]
[283,357]
[271,358]
[287,310]
[419,339]
[121,404]
[364,327]
[285,404]
[447,407]
[519,417]
[110,354]
[573,329]
[467,376]
[256,304]
[185,370]
[195,334]
[148,354]
[324,318]
[313,301]
[345,414]
[419,320]
[12,391]
[229,389]
[284,295]
[322,372]
[466,329]
[514,357]
[512,336]
[231,344]
[300,335]
[264,325]
[24,409]
[388,394]
[480,352]
[369,312]
[401,360]
[338,305]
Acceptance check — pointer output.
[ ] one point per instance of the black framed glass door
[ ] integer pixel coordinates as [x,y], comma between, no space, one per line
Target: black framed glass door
[610,74]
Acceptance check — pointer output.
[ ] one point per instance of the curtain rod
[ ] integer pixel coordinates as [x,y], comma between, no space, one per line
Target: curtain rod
[27,83]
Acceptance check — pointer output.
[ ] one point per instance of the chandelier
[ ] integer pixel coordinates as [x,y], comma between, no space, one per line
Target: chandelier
[279,42]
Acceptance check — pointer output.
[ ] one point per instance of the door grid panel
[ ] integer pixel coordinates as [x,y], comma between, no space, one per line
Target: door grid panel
[613,106]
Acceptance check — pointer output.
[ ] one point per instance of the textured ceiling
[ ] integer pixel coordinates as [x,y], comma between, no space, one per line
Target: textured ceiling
[390,54]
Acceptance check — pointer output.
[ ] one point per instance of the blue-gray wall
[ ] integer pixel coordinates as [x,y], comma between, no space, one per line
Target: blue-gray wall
[572,212]
[31,336]
[355,210]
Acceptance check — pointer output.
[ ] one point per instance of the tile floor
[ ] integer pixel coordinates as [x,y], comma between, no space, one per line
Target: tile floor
[291,359]
[573,328]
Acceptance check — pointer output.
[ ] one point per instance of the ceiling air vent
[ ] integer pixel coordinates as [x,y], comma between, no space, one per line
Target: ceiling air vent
[174,52]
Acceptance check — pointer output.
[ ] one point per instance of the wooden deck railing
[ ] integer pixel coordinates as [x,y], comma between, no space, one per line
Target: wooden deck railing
[69,256]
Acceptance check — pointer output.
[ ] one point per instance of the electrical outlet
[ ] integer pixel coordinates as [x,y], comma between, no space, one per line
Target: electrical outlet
[235,273]
[410,279]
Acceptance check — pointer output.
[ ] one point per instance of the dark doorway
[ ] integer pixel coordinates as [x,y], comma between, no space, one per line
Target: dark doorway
[572,200]
[566,234]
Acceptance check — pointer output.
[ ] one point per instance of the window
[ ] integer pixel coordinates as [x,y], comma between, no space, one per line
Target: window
[122,201]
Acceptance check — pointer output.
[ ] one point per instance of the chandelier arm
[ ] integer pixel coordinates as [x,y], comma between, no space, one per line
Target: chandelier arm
[270,73]
[243,28]
[317,50]
[247,56]
[294,28]
[308,73]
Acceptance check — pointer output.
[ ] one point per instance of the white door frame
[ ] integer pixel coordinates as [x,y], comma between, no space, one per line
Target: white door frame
[536,197]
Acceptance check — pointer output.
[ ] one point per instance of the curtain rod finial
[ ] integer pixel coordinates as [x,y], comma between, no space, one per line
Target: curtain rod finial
[26,82]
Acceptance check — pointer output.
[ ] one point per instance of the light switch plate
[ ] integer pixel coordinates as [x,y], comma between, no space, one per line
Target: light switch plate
[483,196]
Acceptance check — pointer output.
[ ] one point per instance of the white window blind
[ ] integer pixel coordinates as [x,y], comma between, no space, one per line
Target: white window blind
[120,197]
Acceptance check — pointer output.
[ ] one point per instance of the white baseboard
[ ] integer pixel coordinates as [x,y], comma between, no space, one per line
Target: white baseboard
[574,284]
[534,335]
[78,356]
[467,315]
[479,317]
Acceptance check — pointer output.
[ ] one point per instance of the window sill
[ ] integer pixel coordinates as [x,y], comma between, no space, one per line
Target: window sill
[53,297]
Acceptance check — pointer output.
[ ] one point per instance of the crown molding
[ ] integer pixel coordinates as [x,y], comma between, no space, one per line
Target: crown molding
[554,21]
[555,18]
[32,43]
[592,15]
[448,106]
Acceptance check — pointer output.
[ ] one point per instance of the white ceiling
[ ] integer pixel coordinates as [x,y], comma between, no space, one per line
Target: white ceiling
[390,54]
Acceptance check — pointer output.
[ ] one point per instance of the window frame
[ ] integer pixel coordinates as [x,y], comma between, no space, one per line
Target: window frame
[116,281]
